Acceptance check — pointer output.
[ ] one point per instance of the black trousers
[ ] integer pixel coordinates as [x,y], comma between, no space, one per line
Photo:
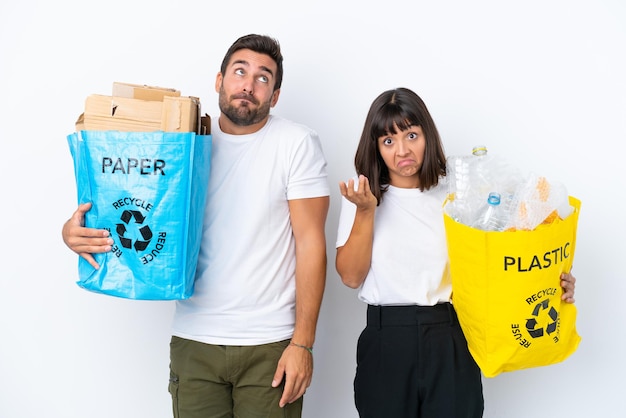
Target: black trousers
[413,361]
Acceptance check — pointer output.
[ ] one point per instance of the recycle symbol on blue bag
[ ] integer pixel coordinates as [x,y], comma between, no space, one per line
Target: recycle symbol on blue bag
[131,231]
[540,311]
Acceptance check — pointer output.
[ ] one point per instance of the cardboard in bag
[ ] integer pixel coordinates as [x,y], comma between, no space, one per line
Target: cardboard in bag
[180,114]
[141,108]
[205,125]
[143,92]
[173,114]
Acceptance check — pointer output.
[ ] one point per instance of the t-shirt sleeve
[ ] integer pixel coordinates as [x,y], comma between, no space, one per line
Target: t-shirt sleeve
[346,220]
[308,176]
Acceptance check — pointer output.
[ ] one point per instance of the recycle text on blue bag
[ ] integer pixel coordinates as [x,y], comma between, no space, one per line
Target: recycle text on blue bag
[148,189]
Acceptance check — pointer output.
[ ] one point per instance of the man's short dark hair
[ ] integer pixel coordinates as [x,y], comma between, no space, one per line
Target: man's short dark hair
[261,44]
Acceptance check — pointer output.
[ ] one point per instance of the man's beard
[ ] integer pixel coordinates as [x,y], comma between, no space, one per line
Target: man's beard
[243,115]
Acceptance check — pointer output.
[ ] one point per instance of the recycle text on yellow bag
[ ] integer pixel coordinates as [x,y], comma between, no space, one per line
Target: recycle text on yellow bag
[507,294]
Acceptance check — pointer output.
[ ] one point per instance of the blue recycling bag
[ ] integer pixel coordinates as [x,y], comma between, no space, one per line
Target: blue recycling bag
[149,190]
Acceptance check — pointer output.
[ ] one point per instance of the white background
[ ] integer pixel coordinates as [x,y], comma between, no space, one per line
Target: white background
[539,82]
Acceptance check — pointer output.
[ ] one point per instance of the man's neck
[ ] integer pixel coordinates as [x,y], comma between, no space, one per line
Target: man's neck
[228,127]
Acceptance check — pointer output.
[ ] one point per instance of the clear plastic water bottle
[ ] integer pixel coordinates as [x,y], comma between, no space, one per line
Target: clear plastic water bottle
[491,216]
[482,175]
[458,169]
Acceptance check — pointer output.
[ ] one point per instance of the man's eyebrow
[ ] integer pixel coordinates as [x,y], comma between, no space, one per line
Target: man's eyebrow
[268,70]
[247,64]
[244,62]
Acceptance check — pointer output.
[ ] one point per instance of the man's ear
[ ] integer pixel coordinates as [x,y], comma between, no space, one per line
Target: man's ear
[275,98]
[218,82]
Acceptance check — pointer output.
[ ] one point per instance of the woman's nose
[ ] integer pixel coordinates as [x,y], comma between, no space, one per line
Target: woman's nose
[402,148]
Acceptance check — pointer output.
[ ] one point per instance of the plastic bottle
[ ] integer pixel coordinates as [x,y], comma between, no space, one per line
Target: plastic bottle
[482,175]
[459,187]
[491,216]
[478,181]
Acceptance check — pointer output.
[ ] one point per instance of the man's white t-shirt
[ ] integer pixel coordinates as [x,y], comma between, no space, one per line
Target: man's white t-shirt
[409,255]
[245,281]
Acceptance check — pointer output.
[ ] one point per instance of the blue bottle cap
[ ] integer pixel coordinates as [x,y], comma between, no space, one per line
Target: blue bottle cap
[494,198]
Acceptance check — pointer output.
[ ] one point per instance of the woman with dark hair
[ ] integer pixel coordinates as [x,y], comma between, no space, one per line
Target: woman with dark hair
[412,356]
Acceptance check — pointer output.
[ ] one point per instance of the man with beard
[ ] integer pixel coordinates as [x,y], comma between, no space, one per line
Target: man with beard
[242,345]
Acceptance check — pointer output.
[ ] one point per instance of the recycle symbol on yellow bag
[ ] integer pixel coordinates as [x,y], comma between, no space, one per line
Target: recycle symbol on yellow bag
[541,311]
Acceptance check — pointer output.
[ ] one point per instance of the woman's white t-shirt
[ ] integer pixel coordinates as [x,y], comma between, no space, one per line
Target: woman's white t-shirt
[409,255]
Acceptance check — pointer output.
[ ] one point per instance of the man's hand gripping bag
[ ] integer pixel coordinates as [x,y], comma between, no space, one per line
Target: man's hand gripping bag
[149,190]
[507,293]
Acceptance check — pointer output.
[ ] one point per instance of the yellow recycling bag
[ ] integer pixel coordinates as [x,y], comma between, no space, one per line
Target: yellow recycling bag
[507,293]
